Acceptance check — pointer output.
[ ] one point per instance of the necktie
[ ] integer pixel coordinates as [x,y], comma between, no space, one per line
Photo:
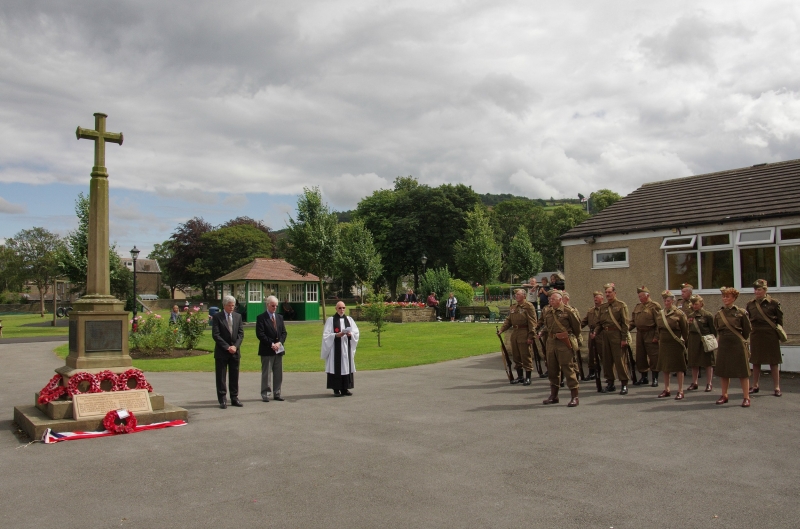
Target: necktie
[274,322]
[230,323]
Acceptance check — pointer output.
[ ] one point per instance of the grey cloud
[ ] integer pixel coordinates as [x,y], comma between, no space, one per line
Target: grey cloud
[507,92]
[12,209]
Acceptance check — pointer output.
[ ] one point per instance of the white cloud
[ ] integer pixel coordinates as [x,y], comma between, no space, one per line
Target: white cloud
[8,207]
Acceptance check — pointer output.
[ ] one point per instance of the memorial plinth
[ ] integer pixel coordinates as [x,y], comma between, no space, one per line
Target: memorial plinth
[98,325]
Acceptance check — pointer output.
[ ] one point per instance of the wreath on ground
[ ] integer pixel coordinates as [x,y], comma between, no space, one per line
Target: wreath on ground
[116,425]
[136,374]
[53,390]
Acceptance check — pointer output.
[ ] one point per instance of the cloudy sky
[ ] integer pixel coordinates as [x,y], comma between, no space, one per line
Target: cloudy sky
[231,108]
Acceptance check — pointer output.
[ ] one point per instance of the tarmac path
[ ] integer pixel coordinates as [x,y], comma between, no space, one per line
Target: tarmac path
[443,445]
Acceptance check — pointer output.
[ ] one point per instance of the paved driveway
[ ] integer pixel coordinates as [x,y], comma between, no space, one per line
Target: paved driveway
[445,445]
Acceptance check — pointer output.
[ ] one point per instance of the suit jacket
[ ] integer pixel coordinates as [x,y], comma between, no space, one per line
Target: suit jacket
[224,338]
[267,334]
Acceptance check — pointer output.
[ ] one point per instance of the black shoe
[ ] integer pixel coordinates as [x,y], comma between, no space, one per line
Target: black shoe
[527,381]
[591,376]
[337,393]
[279,399]
[345,392]
[222,404]
[237,403]
[610,387]
[624,390]
[519,380]
[601,389]
[544,375]
[265,399]
[654,384]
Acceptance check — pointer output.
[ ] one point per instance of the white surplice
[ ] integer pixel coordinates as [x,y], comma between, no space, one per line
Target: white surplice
[348,364]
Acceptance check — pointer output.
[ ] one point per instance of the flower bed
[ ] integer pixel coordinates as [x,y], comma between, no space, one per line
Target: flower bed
[401,313]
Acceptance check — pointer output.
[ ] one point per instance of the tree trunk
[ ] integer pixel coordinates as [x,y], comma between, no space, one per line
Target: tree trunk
[322,298]
[41,299]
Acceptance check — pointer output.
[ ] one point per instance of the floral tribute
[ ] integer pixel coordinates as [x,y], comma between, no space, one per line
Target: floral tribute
[55,389]
[116,425]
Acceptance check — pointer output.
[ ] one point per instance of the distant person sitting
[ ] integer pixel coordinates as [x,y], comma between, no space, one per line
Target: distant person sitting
[288,311]
[433,303]
[409,297]
[174,315]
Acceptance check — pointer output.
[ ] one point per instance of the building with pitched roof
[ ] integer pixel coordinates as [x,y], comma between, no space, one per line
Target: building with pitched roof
[727,228]
[254,282]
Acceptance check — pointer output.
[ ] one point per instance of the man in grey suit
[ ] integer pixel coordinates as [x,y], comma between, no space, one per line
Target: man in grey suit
[228,332]
[271,333]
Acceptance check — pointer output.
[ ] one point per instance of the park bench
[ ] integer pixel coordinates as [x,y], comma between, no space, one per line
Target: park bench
[478,312]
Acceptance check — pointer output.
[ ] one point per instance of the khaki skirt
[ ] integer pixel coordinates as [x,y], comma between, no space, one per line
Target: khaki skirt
[671,358]
[732,357]
[765,348]
[697,356]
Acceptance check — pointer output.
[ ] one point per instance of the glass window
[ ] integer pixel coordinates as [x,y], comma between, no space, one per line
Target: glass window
[757,263]
[790,234]
[718,239]
[716,269]
[613,258]
[790,266]
[238,292]
[227,289]
[296,293]
[676,243]
[681,268]
[311,292]
[254,293]
[758,236]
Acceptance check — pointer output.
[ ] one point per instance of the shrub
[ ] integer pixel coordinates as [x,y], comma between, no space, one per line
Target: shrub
[191,325]
[153,334]
[375,312]
[463,291]
[435,280]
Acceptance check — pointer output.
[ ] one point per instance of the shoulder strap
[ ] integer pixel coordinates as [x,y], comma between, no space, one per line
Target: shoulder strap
[768,320]
[730,327]
[696,326]
[611,313]
[555,318]
[666,324]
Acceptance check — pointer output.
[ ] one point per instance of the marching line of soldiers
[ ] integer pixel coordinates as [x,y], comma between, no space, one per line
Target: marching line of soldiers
[669,340]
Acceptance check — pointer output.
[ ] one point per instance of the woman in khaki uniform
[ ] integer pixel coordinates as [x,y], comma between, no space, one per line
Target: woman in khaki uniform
[522,319]
[733,328]
[673,333]
[701,323]
[765,347]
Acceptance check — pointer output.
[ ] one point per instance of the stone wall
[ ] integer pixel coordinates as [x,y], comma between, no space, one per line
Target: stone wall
[401,314]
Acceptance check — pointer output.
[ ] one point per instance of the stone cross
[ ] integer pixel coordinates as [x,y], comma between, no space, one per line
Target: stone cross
[98,281]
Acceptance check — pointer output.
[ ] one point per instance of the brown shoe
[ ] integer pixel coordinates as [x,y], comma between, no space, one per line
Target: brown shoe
[709,387]
[574,401]
[553,398]
[679,396]
[664,394]
[722,400]
[777,393]
[753,390]
[746,403]
[692,387]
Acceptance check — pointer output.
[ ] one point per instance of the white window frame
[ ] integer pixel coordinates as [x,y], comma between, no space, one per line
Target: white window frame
[712,247]
[762,242]
[611,264]
[253,293]
[297,293]
[685,246]
[312,293]
[781,241]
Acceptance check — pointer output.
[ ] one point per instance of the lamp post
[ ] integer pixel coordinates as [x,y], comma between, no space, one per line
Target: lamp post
[424,260]
[134,255]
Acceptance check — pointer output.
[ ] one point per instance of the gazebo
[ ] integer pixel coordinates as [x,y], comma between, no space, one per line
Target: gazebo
[252,283]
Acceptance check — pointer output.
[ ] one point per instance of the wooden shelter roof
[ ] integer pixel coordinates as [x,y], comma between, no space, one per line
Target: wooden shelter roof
[762,191]
[268,270]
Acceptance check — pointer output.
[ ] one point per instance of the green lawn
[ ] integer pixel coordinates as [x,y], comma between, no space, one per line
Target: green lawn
[13,326]
[403,345]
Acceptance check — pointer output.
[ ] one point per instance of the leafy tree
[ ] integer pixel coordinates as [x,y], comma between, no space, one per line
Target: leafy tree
[311,240]
[601,199]
[37,250]
[73,257]
[187,247]
[562,219]
[437,280]
[247,221]
[478,255]
[523,260]
[227,249]
[356,255]
[375,311]
[10,278]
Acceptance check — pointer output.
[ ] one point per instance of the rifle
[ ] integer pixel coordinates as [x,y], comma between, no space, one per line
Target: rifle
[544,355]
[597,363]
[632,362]
[505,357]
[537,360]
[580,363]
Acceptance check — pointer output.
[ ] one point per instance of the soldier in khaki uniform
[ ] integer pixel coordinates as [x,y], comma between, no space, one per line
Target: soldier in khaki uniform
[643,320]
[579,337]
[562,327]
[595,339]
[765,346]
[685,303]
[522,319]
[614,324]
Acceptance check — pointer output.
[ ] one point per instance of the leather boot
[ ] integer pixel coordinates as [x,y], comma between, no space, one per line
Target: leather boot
[591,375]
[527,381]
[553,398]
[611,387]
[519,379]
[643,381]
[655,380]
[640,381]
[574,401]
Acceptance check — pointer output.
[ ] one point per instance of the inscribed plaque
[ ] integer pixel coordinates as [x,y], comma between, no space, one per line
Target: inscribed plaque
[90,405]
[103,335]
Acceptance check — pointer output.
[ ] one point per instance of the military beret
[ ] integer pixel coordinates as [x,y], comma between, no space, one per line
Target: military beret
[560,275]
[729,290]
[564,293]
[695,298]
[667,294]
[597,293]
[686,285]
[554,292]
[642,289]
[760,283]
[609,285]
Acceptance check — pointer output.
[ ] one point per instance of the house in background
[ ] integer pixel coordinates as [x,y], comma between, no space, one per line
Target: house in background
[720,229]
[148,275]
[254,282]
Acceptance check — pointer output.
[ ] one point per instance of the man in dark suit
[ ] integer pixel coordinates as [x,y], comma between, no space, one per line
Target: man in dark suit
[271,333]
[228,332]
